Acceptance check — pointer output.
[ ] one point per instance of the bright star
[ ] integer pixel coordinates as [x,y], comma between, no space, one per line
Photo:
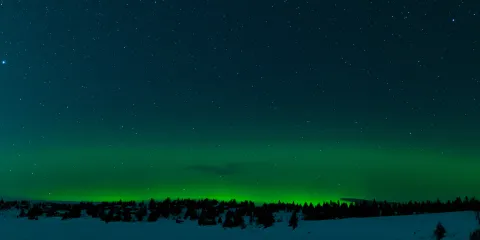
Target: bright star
[4,62]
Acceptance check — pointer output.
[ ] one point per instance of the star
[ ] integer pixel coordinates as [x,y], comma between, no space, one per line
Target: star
[4,62]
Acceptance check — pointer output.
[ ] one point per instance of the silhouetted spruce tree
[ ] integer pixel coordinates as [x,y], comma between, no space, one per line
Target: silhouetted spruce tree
[265,217]
[309,212]
[141,213]
[92,211]
[207,217]
[228,222]
[101,213]
[439,232]
[117,216]
[167,201]
[193,213]
[34,212]
[202,218]
[152,205]
[304,206]
[154,215]
[176,210]
[293,222]
[127,216]
[165,212]
[109,216]
[238,220]
[75,211]
[386,209]
[221,207]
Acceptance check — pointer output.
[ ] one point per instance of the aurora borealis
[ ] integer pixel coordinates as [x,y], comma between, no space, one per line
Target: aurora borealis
[277,100]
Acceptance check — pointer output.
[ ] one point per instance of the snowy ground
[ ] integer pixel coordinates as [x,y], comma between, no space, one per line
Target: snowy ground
[458,226]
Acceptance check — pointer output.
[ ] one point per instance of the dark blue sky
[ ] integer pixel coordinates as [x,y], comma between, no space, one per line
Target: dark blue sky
[405,66]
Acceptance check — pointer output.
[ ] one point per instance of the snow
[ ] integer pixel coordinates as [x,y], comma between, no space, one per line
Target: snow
[459,225]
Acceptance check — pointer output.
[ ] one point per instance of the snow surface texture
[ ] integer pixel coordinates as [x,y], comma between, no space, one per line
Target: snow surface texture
[459,225]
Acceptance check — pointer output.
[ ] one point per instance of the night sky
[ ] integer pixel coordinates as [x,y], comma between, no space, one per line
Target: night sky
[261,100]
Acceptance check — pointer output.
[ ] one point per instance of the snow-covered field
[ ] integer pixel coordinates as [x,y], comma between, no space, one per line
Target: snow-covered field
[459,225]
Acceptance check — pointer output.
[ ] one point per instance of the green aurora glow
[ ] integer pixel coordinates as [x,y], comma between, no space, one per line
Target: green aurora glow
[307,172]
